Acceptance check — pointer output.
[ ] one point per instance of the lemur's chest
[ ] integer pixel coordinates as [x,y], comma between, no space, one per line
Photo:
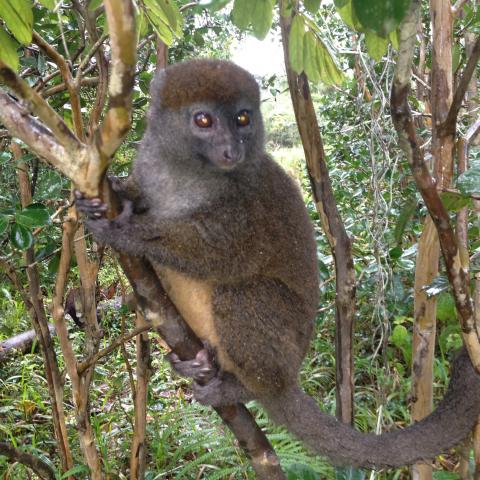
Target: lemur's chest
[193,299]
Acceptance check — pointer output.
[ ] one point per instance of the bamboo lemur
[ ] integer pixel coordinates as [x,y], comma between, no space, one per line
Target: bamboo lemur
[228,234]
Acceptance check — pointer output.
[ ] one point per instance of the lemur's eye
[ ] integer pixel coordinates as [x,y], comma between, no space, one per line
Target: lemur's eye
[203,120]
[243,118]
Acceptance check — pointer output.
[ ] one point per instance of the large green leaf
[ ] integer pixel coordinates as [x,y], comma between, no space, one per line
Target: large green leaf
[329,72]
[347,13]
[454,201]
[310,64]
[8,50]
[242,13]
[35,215]
[175,19]
[18,17]
[159,21]
[376,45]
[312,5]
[381,16]
[21,236]
[262,18]
[295,43]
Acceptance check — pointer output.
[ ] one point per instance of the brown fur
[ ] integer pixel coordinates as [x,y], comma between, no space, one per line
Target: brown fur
[207,81]
[236,251]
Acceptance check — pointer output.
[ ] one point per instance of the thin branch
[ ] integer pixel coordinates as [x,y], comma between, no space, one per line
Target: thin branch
[473,131]
[90,361]
[40,140]
[457,8]
[427,185]
[36,464]
[61,87]
[72,87]
[451,120]
[90,54]
[121,21]
[40,107]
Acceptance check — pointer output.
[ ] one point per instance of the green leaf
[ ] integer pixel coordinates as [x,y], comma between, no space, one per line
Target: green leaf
[242,13]
[262,18]
[347,14]
[300,471]
[453,201]
[295,43]
[401,338]
[312,5]
[18,17]
[8,50]
[174,18]
[35,215]
[405,215]
[437,286]
[21,237]
[75,470]
[310,64]
[469,182]
[329,72]
[50,185]
[349,473]
[394,37]
[446,310]
[376,45]
[50,4]
[4,221]
[381,16]
[445,476]
[159,21]
[52,270]
[94,4]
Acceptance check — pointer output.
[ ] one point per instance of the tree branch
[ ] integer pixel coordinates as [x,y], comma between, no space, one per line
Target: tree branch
[426,184]
[40,140]
[40,107]
[332,224]
[41,468]
[90,361]
[451,120]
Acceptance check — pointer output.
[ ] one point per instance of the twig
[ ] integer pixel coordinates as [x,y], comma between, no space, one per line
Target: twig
[457,8]
[72,87]
[41,468]
[40,107]
[450,122]
[90,361]
[408,140]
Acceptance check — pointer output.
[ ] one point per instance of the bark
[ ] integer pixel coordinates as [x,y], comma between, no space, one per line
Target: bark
[442,149]
[41,325]
[428,246]
[19,344]
[333,226]
[37,465]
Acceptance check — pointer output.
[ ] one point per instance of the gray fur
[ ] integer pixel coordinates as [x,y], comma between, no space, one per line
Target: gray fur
[246,231]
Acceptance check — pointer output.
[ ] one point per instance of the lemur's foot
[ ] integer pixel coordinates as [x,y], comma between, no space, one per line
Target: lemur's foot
[201,369]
